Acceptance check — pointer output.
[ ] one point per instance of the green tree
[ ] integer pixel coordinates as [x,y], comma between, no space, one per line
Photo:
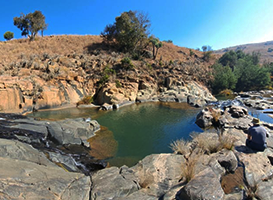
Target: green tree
[8,35]
[224,78]
[250,76]
[156,45]
[129,32]
[30,24]
[230,58]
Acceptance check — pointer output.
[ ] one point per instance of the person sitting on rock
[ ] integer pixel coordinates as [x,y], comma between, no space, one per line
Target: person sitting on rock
[256,136]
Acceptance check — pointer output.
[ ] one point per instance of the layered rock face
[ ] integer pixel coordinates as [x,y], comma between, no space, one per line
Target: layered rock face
[43,81]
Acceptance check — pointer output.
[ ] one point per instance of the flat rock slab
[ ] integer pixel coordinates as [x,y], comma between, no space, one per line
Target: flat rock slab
[26,180]
[26,173]
[20,151]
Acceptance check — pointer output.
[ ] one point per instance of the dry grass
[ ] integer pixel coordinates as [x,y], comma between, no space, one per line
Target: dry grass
[60,45]
[212,143]
[75,44]
[188,167]
[180,147]
[227,142]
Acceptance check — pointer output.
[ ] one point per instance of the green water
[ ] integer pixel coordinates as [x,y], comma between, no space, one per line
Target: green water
[138,129]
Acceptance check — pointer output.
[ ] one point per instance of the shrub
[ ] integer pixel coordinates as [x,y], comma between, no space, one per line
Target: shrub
[191,52]
[8,35]
[118,84]
[126,63]
[168,41]
[86,100]
[207,56]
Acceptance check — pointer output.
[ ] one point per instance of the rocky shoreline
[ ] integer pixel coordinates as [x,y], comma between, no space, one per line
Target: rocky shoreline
[49,159]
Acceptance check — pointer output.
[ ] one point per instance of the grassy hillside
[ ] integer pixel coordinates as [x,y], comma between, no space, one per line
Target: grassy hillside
[10,51]
[264,48]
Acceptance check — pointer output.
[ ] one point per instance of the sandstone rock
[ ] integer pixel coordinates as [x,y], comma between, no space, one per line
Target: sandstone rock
[228,160]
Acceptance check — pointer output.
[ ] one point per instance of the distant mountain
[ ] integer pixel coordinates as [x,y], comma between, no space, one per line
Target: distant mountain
[265,49]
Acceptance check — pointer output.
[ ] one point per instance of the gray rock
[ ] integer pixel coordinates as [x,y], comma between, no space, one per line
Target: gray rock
[20,151]
[205,185]
[113,183]
[67,161]
[204,119]
[158,173]
[265,190]
[228,160]
[20,179]
[72,131]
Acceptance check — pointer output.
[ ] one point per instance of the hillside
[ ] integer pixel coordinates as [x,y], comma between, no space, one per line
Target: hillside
[57,70]
[264,48]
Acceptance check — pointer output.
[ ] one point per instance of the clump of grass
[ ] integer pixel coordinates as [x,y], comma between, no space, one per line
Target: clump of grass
[207,144]
[188,167]
[212,144]
[227,142]
[180,147]
[86,100]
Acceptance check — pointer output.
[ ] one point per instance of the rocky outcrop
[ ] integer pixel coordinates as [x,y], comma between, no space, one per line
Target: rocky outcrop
[26,173]
[48,81]
[65,142]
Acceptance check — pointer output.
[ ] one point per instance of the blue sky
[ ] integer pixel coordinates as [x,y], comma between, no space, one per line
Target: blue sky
[188,23]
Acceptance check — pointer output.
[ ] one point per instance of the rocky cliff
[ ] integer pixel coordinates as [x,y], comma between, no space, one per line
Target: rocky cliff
[44,77]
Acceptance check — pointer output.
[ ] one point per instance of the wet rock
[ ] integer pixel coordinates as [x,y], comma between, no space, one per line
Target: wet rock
[106,106]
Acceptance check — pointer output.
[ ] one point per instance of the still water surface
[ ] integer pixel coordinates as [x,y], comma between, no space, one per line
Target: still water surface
[132,132]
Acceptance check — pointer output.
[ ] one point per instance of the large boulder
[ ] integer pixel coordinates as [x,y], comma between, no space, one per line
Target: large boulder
[205,185]
[71,131]
[113,183]
[159,173]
